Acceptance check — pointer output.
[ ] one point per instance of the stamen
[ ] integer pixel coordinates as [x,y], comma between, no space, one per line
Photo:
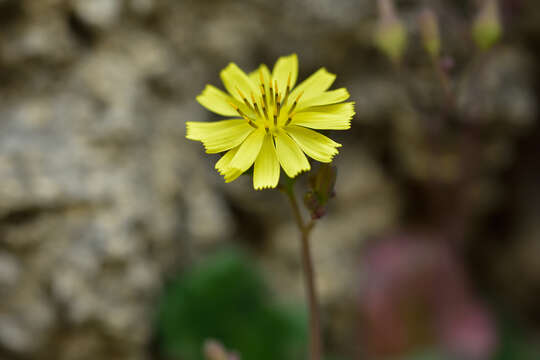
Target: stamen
[265,112]
[271,92]
[240,92]
[243,98]
[263,95]
[255,106]
[287,90]
[278,104]
[238,110]
[277,91]
[295,102]
[261,77]
[289,119]
[275,116]
[249,120]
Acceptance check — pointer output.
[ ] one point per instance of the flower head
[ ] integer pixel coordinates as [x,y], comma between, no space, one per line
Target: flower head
[273,121]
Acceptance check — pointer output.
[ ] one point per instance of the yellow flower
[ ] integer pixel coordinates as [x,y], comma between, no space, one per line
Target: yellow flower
[273,121]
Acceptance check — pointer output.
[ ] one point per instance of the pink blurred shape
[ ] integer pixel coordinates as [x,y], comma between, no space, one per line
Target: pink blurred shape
[415,295]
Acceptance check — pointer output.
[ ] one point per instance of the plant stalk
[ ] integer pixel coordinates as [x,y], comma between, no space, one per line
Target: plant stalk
[309,278]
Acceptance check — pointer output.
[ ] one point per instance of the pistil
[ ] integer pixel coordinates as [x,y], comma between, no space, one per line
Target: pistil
[267,111]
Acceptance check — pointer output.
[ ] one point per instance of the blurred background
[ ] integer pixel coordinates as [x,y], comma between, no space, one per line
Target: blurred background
[119,241]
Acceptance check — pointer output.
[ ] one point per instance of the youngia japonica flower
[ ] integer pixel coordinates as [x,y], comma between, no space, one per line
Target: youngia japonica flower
[273,122]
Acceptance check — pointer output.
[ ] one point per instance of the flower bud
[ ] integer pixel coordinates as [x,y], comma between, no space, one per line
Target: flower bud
[321,190]
[213,350]
[429,30]
[390,34]
[487,28]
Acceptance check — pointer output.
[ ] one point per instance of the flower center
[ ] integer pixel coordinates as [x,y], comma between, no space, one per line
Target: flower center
[272,108]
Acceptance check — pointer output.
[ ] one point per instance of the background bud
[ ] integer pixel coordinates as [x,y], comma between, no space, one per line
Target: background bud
[391,34]
[429,30]
[214,350]
[487,28]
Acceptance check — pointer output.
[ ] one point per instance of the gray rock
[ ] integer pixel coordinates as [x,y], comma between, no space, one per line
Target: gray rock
[100,14]
[24,325]
[32,41]
[142,7]
[497,88]
[10,272]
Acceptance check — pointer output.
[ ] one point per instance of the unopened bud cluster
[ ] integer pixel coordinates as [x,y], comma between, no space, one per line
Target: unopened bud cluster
[487,28]
[429,31]
[214,350]
[391,33]
[321,190]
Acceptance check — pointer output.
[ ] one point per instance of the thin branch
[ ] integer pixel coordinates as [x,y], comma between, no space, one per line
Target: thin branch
[309,277]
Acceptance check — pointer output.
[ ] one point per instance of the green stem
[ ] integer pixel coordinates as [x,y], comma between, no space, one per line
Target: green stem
[444,80]
[309,277]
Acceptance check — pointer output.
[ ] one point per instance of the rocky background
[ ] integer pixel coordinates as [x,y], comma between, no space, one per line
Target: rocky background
[102,198]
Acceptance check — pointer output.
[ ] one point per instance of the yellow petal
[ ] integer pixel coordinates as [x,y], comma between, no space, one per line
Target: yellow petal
[285,66]
[266,171]
[223,168]
[235,79]
[223,163]
[315,145]
[219,136]
[291,158]
[255,77]
[325,98]
[217,101]
[232,174]
[329,117]
[248,151]
[314,85]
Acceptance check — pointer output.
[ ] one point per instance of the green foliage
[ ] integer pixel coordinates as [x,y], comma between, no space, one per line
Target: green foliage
[225,298]
[513,344]
[427,354]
